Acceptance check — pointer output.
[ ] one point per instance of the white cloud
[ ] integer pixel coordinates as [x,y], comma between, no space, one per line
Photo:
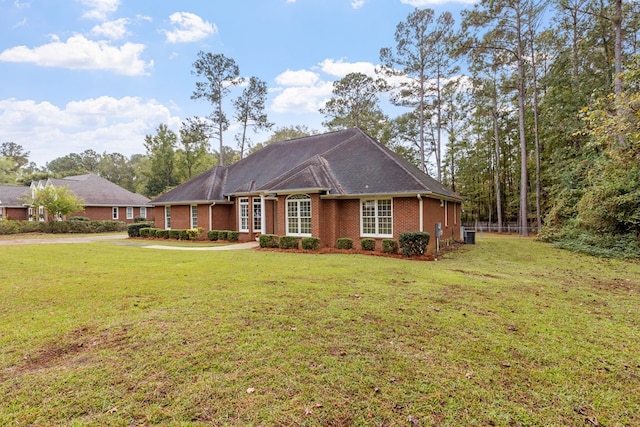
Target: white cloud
[423,3]
[297,78]
[79,53]
[100,9]
[340,68]
[188,27]
[357,4]
[21,5]
[20,23]
[101,124]
[113,30]
[302,99]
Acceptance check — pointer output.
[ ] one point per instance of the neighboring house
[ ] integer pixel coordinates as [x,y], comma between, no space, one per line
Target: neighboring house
[102,200]
[12,202]
[334,185]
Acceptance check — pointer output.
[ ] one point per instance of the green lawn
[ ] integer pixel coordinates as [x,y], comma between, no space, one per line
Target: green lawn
[507,332]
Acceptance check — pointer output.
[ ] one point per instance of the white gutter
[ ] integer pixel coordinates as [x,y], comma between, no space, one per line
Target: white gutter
[211,215]
[421,213]
[263,214]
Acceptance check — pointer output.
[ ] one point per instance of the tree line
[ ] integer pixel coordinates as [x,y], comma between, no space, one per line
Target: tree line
[541,127]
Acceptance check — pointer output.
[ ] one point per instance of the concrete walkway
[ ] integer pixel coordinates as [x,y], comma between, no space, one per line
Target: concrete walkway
[231,247]
[121,239]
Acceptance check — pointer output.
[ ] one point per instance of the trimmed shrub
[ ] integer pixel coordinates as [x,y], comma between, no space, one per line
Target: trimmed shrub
[269,241]
[78,218]
[233,236]
[414,243]
[162,234]
[194,233]
[153,232]
[213,235]
[368,244]
[144,232]
[184,235]
[222,234]
[289,242]
[310,243]
[174,234]
[344,243]
[133,230]
[389,246]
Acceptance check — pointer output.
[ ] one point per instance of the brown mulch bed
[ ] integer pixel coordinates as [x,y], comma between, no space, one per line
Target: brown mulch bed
[328,250]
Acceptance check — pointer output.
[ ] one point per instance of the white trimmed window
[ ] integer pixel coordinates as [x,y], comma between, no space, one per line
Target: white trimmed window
[129,212]
[376,218]
[243,206]
[30,213]
[257,214]
[114,213]
[40,213]
[299,215]
[143,212]
[194,216]
[167,217]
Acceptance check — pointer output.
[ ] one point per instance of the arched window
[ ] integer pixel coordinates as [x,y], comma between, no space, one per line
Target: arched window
[299,215]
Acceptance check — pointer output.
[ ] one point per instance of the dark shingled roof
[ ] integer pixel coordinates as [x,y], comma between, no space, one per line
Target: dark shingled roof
[12,196]
[344,163]
[97,191]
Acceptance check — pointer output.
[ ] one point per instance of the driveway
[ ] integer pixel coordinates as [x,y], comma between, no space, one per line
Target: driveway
[119,239]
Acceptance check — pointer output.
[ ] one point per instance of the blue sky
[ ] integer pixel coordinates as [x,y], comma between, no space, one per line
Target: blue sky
[101,74]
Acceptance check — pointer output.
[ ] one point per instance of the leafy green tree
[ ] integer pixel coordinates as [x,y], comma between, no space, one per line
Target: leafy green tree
[221,74]
[355,103]
[116,168]
[161,151]
[68,165]
[410,59]
[16,153]
[57,201]
[193,155]
[250,111]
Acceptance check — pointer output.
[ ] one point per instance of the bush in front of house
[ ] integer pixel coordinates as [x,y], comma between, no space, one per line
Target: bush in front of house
[174,234]
[389,246]
[310,243]
[162,234]
[368,244]
[222,234]
[414,243]
[144,232]
[344,243]
[194,233]
[213,235]
[233,236]
[289,242]
[133,230]
[269,241]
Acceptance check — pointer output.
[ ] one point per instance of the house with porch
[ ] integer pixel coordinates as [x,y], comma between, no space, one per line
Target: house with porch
[330,186]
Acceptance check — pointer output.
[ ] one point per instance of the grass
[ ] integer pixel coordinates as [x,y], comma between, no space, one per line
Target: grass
[507,332]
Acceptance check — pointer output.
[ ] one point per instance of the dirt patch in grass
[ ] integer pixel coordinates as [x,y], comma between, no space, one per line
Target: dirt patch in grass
[76,348]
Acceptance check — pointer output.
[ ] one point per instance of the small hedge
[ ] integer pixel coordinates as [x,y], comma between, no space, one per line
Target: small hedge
[289,242]
[162,234]
[269,241]
[133,230]
[310,243]
[144,232]
[213,235]
[389,246]
[368,244]
[233,236]
[174,234]
[194,233]
[344,243]
[60,227]
[414,243]
[222,234]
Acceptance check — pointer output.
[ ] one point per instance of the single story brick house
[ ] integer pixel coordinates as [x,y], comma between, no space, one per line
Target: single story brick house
[330,186]
[103,200]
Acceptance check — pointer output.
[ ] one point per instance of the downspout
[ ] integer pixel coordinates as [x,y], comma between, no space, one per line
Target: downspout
[211,215]
[421,203]
[263,214]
